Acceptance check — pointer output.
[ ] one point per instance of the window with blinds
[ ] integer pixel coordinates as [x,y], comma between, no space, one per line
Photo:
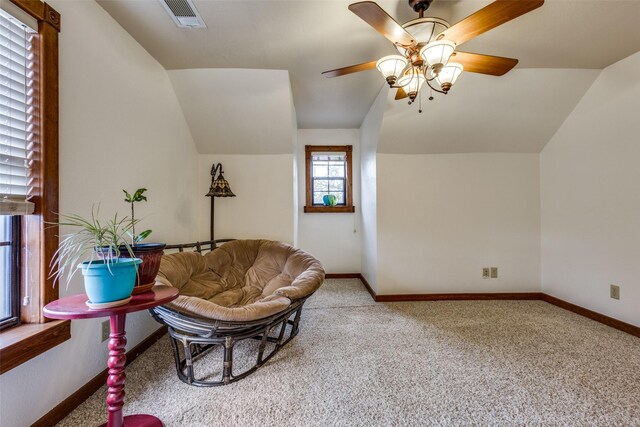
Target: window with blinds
[16,114]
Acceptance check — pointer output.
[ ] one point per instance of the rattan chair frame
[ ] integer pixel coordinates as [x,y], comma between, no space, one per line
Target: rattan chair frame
[192,336]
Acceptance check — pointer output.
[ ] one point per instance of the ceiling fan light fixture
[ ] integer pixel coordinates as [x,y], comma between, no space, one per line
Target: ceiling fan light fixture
[448,75]
[411,83]
[437,54]
[391,67]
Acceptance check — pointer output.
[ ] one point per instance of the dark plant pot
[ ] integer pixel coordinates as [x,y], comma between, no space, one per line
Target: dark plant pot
[150,254]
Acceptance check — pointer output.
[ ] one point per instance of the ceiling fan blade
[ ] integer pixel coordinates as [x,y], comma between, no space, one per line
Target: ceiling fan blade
[348,70]
[401,94]
[484,64]
[487,18]
[380,20]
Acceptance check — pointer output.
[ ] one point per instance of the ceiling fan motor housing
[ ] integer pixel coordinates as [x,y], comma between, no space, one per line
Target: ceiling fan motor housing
[423,31]
[420,5]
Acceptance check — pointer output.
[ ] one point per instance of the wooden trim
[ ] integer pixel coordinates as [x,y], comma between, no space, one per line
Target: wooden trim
[51,17]
[39,334]
[24,342]
[460,296]
[65,407]
[329,209]
[309,207]
[330,148]
[35,8]
[369,288]
[40,236]
[342,276]
[49,142]
[609,321]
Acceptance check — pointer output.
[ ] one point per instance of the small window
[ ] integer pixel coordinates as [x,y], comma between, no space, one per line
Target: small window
[9,271]
[328,178]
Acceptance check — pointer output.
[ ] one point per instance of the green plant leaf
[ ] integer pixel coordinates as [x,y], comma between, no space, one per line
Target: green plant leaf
[139,196]
[140,237]
[93,238]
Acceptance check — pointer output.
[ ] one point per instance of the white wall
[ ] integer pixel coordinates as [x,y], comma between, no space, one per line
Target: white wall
[263,206]
[369,137]
[590,198]
[331,237]
[442,218]
[296,197]
[120,127]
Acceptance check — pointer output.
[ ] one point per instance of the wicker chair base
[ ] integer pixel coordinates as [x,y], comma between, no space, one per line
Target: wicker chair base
[191,337]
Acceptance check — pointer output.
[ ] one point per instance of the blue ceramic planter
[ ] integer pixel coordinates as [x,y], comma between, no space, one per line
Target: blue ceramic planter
[108,283]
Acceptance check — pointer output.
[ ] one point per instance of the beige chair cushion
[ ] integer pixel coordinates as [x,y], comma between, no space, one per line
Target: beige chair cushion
[240,281]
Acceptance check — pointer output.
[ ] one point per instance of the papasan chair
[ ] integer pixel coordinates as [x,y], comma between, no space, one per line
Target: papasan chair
[243,289]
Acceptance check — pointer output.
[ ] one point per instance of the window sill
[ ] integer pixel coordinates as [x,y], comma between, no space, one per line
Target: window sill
[24,342]
[329,209]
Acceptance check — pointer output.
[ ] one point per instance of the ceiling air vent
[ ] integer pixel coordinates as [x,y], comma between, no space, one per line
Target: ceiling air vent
[183,13]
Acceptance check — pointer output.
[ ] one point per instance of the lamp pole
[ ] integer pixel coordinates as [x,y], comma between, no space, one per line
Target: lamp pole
[214,169]
[212,210]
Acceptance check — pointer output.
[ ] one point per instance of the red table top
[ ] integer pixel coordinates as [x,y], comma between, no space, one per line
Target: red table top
[75,307]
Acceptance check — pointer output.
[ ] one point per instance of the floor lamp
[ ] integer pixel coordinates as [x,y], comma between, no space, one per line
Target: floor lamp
[219,188]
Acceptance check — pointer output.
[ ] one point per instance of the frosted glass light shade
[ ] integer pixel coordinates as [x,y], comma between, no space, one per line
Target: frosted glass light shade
[391,67]
[438,52]
[411,83]
[448,75]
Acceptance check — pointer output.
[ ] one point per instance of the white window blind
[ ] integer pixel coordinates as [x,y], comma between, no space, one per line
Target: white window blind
[16,114]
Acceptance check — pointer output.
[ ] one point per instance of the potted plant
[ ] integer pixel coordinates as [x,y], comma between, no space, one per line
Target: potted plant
[149,253]
[109,272]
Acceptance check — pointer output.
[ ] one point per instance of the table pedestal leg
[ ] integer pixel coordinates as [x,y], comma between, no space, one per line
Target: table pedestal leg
[116,379]
[116,363]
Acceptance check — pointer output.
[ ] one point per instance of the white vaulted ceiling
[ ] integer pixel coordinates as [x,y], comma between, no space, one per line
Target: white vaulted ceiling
[306,37]
[233,111]
[516,113]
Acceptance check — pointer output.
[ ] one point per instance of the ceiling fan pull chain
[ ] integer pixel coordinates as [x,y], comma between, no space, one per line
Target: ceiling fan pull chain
[430,94]
[420,102]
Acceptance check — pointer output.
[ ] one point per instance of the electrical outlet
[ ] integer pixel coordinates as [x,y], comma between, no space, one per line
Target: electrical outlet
[105,330]
[486,273]
[494,272]
[615,291]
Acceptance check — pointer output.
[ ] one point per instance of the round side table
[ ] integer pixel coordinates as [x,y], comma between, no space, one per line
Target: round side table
[75,307]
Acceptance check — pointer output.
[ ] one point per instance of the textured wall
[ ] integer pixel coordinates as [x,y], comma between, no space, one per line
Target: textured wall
[263,206]
[442,218]
[590,198]
[120,127]
[333,238]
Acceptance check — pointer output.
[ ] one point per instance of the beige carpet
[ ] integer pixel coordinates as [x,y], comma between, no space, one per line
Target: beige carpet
[361,363]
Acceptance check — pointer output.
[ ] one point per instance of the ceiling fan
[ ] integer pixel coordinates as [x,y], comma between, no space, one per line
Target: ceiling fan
[428,45]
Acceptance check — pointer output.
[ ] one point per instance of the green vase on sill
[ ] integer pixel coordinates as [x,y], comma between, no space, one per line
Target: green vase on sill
[329,200]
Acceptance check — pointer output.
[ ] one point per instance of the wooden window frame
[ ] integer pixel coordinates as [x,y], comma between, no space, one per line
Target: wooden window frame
[309,207]
[37,334]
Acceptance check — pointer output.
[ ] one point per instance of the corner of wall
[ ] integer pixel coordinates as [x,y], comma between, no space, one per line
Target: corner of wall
[369,138]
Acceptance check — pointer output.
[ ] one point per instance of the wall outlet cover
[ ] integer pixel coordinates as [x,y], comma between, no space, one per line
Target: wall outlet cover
[614,291]
[486,274]
[494,272]
[106,330]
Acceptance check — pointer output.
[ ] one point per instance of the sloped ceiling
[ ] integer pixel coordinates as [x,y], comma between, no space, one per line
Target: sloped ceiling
[306,37]
[237,111]
[517,113]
